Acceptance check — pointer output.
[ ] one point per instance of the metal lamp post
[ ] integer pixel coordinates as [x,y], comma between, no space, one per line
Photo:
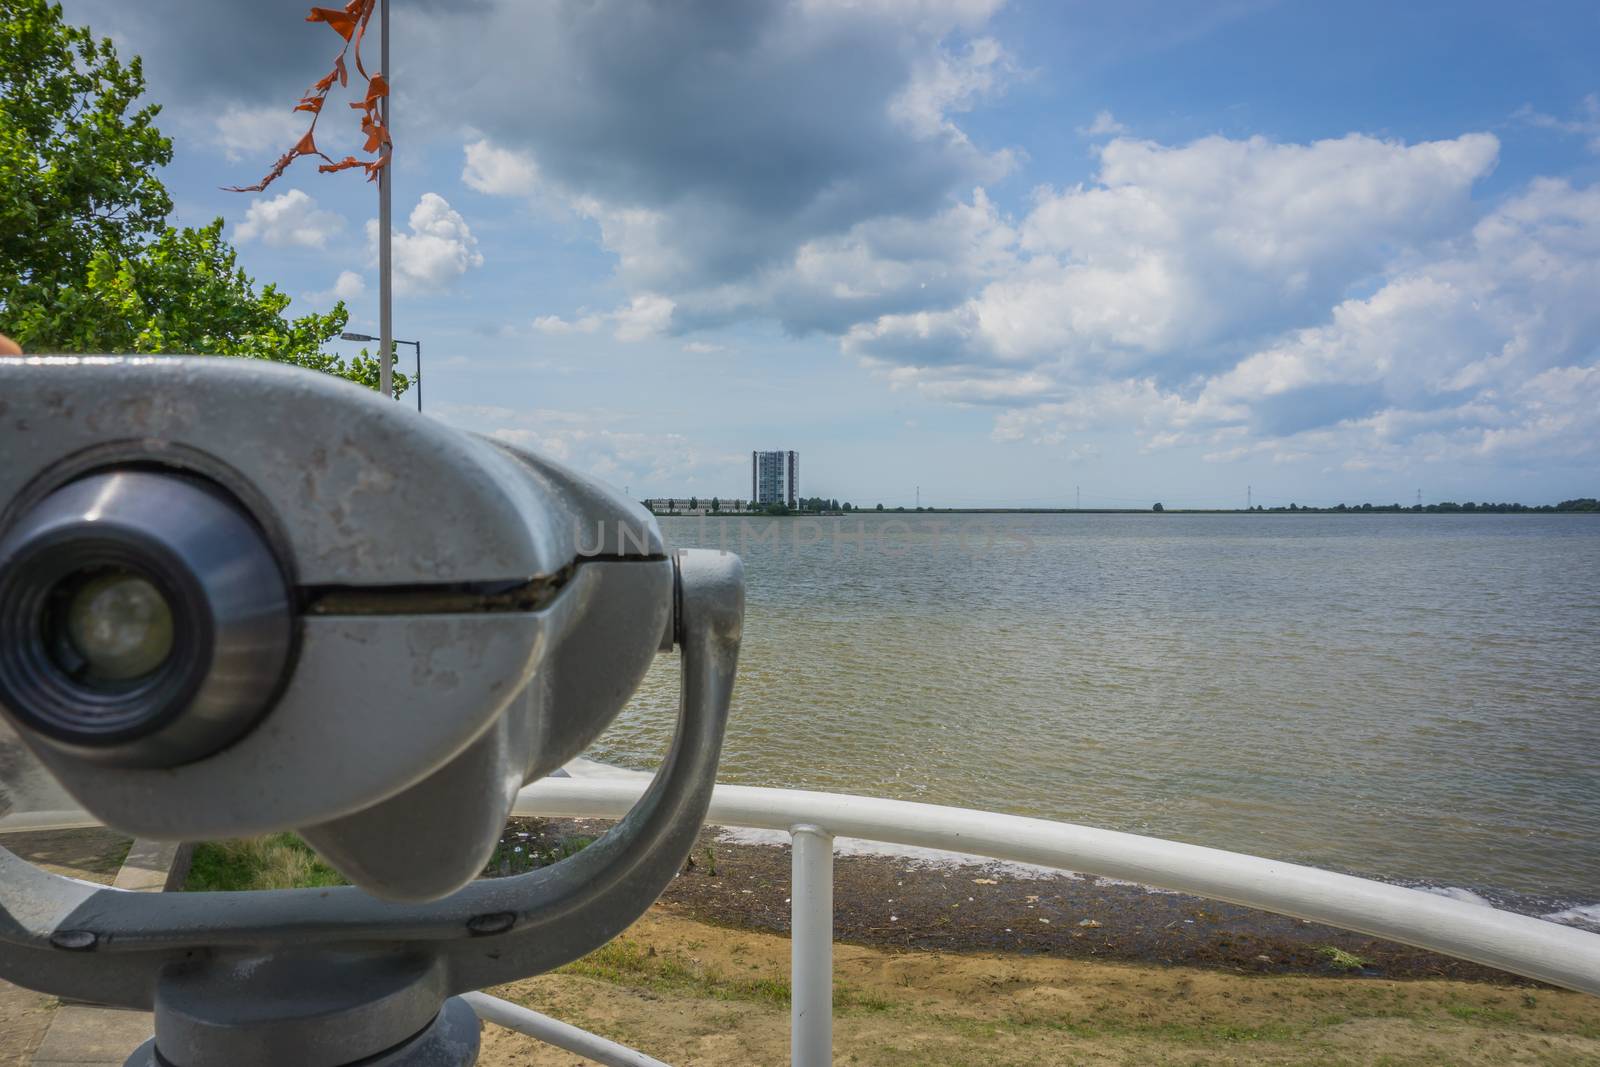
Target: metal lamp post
[414,344]
[386,237]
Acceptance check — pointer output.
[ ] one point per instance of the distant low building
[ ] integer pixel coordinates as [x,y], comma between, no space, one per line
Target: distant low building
[775,478]
[694,505]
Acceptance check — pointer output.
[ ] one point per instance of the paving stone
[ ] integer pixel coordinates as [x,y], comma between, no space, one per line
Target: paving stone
[83,1035]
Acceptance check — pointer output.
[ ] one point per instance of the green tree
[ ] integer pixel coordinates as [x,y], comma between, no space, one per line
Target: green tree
[88,262]
[1158,507]
[77,159]
[716,503]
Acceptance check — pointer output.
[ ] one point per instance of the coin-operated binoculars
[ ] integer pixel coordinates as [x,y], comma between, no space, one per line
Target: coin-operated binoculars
[238,598]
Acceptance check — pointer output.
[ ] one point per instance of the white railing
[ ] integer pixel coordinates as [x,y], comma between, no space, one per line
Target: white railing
[1547,951]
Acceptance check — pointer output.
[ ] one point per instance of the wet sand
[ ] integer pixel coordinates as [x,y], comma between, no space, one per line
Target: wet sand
[901,903]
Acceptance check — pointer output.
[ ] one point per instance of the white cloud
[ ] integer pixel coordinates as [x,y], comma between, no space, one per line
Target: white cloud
[649,463]
[499,171]
[348,287]
[703,348]
[649,315]
[291,220]
[1585,121]
[1175,255]
[1135,403]
[1104,124]
[945,82]
[556,325]
[256,133]
[1488,351]
[880,265]
[439,249]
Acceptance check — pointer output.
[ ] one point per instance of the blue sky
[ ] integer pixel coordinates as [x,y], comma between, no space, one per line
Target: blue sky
[998,250]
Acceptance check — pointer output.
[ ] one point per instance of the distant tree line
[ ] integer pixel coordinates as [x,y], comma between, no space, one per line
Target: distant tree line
[1587,503]
[816,505]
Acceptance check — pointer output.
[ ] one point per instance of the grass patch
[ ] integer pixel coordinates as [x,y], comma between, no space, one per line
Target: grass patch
[1312,1032]
[276,861]
[1198,1035]
[1469,1013]
[283,861]
[1342,960]
[626,962]
[520,855]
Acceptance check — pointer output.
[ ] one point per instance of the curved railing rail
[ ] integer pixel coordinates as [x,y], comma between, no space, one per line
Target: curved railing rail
[1520,944]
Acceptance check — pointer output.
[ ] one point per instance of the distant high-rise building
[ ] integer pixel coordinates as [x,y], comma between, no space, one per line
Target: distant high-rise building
[775,478]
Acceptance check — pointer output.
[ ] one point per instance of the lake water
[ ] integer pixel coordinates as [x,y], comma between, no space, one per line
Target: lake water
[1408,697]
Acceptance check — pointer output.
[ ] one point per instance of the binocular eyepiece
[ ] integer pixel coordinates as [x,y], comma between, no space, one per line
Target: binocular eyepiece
[144,619]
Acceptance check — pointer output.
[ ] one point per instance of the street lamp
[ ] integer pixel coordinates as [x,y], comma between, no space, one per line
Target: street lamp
[414,344]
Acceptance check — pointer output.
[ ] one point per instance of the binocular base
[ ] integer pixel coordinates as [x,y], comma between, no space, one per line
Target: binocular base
[450,1040]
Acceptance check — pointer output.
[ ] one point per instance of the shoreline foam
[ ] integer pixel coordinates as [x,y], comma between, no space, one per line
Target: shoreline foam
[1583,916]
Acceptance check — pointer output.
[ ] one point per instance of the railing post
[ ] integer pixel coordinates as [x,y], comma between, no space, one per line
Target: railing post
[811,948]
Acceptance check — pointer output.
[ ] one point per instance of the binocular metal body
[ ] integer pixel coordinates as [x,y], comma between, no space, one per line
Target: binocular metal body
[237,598]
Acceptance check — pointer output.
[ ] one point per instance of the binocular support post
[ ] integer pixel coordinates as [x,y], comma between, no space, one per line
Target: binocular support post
[332,978]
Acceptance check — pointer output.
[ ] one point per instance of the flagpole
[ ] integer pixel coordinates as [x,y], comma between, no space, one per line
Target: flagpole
[385,235]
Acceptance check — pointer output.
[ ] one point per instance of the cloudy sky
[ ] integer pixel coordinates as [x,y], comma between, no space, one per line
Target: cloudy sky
[1005,252]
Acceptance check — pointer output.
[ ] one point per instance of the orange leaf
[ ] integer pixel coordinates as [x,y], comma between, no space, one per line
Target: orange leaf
[343,23]
[312,104]
[307,146]
[338,66]
[344,164]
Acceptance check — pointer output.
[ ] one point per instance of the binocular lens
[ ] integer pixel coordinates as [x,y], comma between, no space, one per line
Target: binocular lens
[144,619]
[118,628]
